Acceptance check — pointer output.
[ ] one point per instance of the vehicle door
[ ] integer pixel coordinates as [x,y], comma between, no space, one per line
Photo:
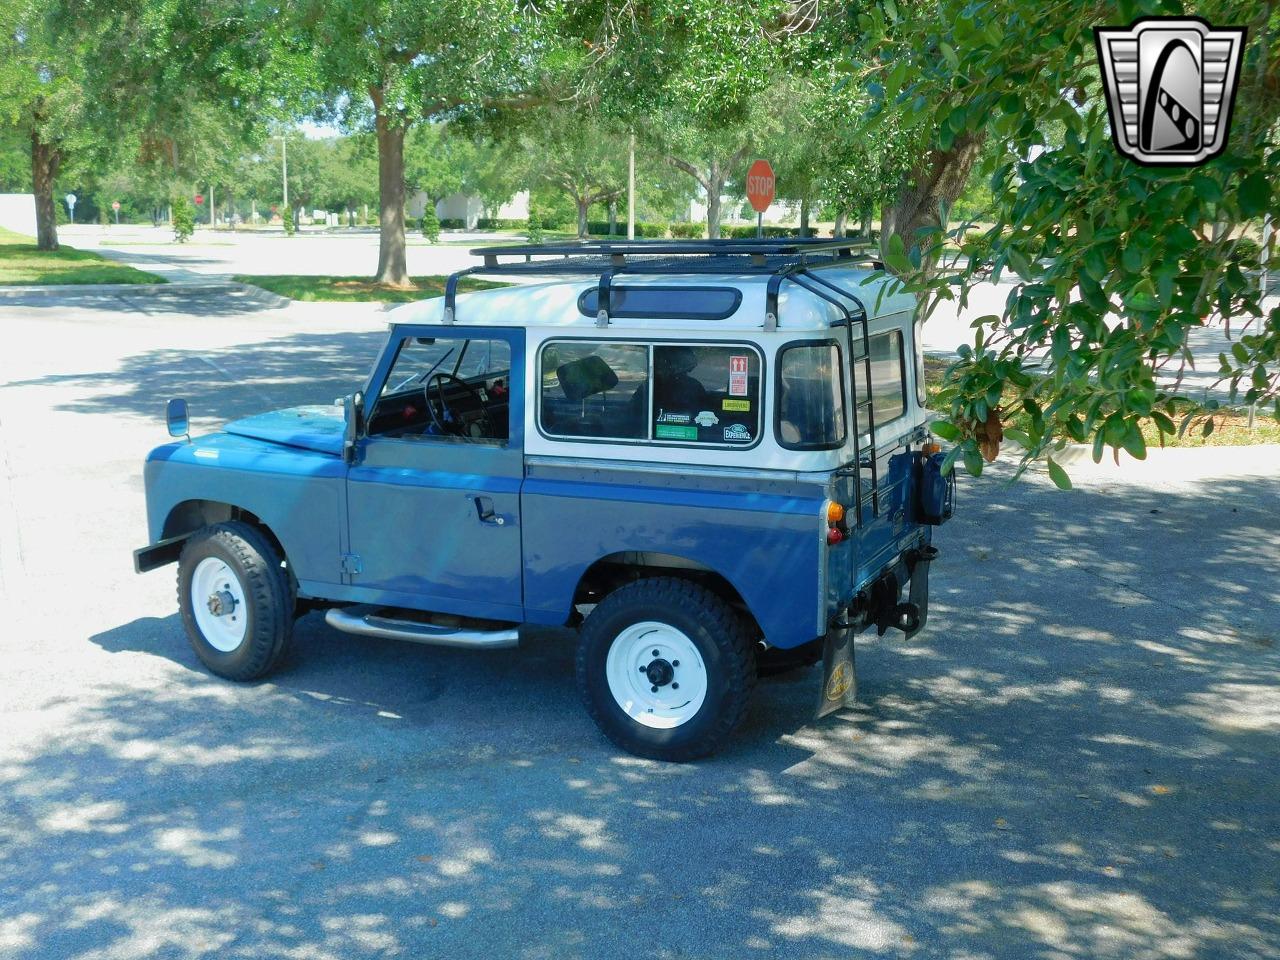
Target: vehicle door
[433,494]
[886,517]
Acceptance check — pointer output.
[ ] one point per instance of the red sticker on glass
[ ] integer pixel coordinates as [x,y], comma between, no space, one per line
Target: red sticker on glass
[738,376]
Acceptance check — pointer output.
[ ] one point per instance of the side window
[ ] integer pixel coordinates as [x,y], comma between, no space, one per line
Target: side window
[888,383]
[594,389]
[810,401]
[679,393]
[706,394]
[446,389]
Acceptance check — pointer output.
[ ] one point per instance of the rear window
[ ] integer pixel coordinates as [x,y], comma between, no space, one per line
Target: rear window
[888,383]
[810,402]
[685,393]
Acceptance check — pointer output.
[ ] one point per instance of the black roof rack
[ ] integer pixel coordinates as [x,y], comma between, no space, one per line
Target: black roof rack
[779,259]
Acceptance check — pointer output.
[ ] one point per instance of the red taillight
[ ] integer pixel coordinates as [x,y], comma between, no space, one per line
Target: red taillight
[834,536]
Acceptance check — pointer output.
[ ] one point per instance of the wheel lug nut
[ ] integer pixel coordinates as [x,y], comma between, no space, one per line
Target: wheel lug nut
[675,663]
[653,689]
[655,653]
[675,686]
[643,668]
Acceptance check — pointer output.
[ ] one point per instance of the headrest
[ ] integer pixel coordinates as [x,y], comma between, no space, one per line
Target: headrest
[579,379]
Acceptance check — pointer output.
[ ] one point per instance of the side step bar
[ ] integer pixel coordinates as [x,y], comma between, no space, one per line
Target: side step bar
[372,621]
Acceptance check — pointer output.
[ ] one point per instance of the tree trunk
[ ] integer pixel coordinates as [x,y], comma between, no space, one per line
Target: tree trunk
[45,159]
[838,229]
[804,216]
[613,217]
[934,184]
[864,228]
[392,268]
[715,187]
[584,207]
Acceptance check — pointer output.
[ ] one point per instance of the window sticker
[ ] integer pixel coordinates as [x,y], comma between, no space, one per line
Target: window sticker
[706,419]
[737,433]
[738,406]
[681,418]
[665,431]
[738,376]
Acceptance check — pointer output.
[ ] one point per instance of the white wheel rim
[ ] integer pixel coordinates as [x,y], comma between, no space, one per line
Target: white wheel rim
[217,602]
[635,666]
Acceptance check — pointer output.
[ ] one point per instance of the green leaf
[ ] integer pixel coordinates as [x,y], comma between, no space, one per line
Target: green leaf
[1254,194]
[1059,476]
[945,430]
[949,52]
[1134,442]
[972,461]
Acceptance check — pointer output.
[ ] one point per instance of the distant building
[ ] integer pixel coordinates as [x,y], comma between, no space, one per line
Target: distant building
[18,213]
[737,210]
[469,209]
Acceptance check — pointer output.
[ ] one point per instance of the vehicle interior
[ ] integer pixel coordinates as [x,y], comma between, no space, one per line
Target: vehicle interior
[446,389]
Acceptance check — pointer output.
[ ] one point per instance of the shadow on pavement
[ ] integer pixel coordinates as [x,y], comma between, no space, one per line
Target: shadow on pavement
[1078,758]
[226,382]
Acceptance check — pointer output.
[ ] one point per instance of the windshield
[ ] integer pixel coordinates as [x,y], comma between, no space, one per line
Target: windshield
[420,357]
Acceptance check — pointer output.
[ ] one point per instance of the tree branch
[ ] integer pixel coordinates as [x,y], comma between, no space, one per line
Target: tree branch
[690,169]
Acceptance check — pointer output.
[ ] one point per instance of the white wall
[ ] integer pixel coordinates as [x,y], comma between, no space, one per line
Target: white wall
[780,211]
[460,206]
[18,213]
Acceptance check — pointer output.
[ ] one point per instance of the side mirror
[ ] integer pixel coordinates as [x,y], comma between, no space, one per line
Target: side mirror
[352,408]
[177,419]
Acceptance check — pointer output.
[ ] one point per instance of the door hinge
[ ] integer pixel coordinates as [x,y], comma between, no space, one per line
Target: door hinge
[351,564]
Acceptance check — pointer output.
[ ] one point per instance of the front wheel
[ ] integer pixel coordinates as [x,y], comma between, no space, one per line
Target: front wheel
[665,668]
[236,601]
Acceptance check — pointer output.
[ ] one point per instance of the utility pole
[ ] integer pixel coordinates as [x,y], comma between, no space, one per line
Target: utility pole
[631,189]
[213,208]
[284,175]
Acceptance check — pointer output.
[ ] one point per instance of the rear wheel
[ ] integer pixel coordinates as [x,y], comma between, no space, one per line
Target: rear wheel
[236,601]
[665,668]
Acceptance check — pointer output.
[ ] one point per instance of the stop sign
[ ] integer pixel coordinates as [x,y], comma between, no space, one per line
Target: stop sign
[760,185]
[199,199]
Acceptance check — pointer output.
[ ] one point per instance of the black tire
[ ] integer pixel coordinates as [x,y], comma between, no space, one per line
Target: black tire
[723,642]
[269,600]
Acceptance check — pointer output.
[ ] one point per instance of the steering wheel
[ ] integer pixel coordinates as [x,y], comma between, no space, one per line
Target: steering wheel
[445,419]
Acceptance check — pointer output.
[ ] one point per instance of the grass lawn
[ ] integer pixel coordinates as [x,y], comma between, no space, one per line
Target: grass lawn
[350,289]
[22,263]
[1230,427]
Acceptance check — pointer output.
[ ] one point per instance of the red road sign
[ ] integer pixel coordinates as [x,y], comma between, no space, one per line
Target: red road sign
[199,199]
[115,204]
[760,185]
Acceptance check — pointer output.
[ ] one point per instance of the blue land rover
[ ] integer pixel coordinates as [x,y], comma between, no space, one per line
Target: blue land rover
[710,458]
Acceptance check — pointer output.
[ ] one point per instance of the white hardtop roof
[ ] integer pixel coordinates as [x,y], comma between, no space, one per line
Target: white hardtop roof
[555,303]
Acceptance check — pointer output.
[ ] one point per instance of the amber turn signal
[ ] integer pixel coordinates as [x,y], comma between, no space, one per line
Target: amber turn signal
[835,512]
[930,448]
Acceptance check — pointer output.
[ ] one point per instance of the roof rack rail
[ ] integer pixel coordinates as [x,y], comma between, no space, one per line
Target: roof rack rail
[779,258]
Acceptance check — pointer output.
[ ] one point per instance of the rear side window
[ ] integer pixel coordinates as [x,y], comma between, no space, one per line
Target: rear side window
[888,383]
[660,393]
[810,401]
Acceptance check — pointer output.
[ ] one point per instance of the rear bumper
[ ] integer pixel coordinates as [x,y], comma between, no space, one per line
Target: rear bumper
[158,554]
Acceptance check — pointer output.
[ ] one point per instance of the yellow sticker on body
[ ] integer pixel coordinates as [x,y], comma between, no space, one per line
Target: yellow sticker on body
[739,405]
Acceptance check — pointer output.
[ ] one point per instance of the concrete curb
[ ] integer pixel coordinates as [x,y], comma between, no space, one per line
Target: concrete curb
[252,293]
[1174,463]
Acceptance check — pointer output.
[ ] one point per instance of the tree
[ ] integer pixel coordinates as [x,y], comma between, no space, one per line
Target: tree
[386,66]
[580,154]
[51,79]
[435,161]
[1116,264]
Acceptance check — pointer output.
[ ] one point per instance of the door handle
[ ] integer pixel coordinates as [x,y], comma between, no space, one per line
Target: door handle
[485,512]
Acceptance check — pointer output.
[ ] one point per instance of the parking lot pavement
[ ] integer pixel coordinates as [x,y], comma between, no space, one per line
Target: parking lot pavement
[1077,758]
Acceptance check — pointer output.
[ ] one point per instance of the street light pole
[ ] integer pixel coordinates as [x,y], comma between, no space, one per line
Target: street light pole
[284,173]
[631,189]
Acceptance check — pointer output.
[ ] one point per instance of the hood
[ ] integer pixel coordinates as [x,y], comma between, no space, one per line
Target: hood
[310,428]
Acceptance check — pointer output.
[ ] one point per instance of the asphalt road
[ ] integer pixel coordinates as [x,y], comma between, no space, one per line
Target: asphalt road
[1080,757]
